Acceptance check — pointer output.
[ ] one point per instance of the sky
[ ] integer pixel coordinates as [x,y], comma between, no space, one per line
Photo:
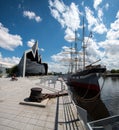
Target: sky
[53,24]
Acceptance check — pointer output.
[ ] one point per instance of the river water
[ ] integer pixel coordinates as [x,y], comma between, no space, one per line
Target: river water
[105,106]
[110,95]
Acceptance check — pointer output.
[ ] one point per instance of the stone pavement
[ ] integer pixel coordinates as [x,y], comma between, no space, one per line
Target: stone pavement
[59,113]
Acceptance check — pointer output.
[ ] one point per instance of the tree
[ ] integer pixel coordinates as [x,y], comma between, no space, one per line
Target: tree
[117,71]
[113,71]
[13,70]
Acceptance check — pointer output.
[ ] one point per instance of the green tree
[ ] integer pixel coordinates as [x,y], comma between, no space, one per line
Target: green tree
[117,71]
[13,70]
[113,71]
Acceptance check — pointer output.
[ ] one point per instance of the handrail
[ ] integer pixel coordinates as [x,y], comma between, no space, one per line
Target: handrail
[106,121]
[102,124]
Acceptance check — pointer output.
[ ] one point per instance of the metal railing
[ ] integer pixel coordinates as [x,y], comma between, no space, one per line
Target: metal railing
[109,123]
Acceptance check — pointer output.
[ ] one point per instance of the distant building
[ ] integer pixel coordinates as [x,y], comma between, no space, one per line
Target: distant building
[31,63]
[2,71]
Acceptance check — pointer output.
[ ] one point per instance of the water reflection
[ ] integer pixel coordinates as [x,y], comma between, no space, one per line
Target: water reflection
[110,95]
[105,106]
[96,109]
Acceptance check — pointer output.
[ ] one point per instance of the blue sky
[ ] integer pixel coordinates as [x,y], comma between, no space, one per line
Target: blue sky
[53,23]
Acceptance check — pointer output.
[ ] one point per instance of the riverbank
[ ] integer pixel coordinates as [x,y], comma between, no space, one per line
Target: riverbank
[111,74]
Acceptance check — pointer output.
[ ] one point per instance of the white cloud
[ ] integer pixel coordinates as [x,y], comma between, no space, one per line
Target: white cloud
[117,16]
[106,6]
[60,57]
[31,43]
[97,3]
[41,49]
[95,24]
[9,61]
[100,14]
[99,28]
[67,16]
[93,49]
[64,54]
[69,35]
[113,33]
[32,15]
[59,6]
[9,41]
[37,18]
[56,67]
[111,45]
[71,17]
[111,59]
[95,19]
[61,60]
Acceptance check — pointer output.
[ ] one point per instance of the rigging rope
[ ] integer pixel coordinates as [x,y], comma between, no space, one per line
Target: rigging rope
[82,99]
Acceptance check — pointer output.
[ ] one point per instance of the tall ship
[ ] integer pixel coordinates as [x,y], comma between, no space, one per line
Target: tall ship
[85,82]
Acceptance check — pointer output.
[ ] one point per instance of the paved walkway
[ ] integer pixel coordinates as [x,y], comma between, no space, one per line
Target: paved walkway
[59,113]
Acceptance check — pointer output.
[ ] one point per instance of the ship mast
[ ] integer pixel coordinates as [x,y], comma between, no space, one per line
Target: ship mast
[76,52]
[83,46]
[71,53]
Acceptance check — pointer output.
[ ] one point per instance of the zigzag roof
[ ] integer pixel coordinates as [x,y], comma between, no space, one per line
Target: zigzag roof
[33,49]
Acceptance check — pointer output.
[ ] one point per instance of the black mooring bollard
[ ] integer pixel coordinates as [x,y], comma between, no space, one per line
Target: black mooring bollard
[36,95]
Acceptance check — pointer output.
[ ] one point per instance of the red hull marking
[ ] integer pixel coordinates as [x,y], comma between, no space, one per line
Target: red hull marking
[83,85]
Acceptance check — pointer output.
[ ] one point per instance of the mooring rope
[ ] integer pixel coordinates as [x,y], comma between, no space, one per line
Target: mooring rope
[93,98]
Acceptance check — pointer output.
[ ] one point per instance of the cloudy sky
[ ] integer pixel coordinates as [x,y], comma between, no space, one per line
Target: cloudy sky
[53,24]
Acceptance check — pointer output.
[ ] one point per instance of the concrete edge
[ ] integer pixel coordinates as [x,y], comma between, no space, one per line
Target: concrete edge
[40,104]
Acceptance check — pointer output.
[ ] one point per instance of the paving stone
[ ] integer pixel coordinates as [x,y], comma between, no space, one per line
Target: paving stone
[57,112]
